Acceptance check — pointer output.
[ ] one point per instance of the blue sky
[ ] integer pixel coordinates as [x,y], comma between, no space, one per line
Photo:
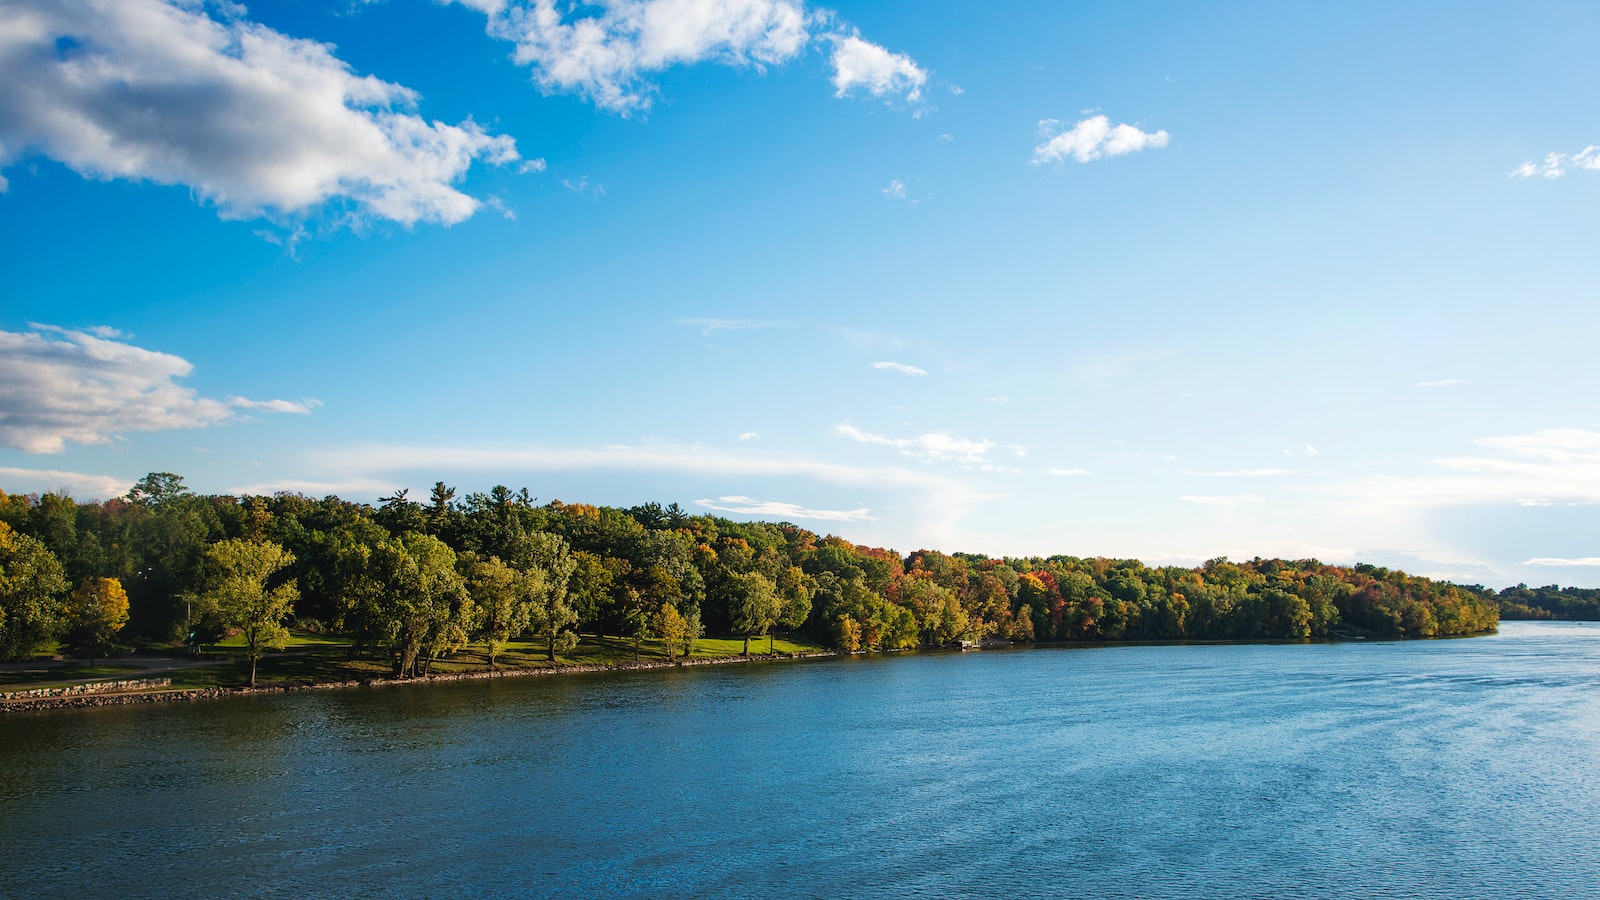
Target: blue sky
[1101,279]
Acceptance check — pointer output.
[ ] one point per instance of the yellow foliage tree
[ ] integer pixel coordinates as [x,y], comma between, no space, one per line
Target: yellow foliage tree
[95,614]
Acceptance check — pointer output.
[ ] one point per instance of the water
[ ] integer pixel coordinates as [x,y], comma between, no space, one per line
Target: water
[1449,769]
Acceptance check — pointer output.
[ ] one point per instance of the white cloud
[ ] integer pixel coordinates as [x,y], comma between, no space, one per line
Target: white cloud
[749,436]
[1557,466]
[607,53]
[58,385]
[1226,501]
[608,50]
[935,445]
[749,506]
[939,502]
[303,407]
[998,398]
[902,368]
[1241,473]
[1559,561]
[710,326]
[1443,382]
[1556,165]
[896,189]
[77,484]
[1091,139]
[1310,450]
[863,64]
[582,186]
[250,119]
[1068,472]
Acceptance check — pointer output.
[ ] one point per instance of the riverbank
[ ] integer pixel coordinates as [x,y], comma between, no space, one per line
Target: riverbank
[78,697]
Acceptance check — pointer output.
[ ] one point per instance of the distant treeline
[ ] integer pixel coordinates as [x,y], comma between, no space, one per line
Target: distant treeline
[411,581]
[1550,602]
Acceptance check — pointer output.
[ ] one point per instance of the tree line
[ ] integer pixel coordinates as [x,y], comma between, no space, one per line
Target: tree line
[415,580]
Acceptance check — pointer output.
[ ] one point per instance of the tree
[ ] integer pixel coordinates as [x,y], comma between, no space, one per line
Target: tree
[31,585]
[670,626]
[501,599]
[422,608]
[97,611]
[752,604]
[553,616]
[236,585]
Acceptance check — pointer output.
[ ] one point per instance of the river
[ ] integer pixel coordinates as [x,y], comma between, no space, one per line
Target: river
[1450,769]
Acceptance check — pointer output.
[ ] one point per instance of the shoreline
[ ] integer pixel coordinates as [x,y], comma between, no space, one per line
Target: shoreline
[86,700]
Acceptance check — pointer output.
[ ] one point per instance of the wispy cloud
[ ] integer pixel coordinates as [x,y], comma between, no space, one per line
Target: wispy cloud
[1115,366]
[749,436]
[1544,468]
[1090,139]
[934,445]
[1556,165]
[302,407]
[59,386]
[248,118]
[710,326]
[1068,472]
[939,501]
[896,189]
[1443,382]
[1226,501]
[902,368]
[1561,561]
[1241,473]
[82,485]
[750,506]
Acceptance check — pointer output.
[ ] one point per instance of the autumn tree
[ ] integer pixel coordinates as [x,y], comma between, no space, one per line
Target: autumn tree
[238,576]
[95,614]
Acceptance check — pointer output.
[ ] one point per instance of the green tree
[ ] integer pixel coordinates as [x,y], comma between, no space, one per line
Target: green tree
[501,599]
[422,608]
[31,585]
[753,604]
[97,611]
[553,616]
[238,573]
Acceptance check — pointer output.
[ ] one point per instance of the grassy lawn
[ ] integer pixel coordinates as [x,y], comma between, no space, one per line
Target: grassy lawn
[317,658]
[74,672]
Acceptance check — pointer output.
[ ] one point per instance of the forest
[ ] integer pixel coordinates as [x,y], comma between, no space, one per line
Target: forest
[410,581]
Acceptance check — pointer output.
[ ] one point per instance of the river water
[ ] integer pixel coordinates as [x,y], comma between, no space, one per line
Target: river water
[1449,769]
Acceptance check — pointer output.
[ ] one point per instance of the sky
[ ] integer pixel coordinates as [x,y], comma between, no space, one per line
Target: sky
[1158,280]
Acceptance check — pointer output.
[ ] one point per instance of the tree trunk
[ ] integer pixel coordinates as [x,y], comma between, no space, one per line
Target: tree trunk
[252,670]
[747,645]
[552,646]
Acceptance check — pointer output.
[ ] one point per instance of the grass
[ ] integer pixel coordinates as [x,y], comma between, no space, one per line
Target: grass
[72,673]
[321,659]
[310,658]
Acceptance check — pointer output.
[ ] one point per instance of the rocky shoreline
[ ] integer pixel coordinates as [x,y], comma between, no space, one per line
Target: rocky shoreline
[85,696]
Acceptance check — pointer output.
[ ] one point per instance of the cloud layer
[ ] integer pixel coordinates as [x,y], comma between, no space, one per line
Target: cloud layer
[1091,139]
[250,119]
[59,386]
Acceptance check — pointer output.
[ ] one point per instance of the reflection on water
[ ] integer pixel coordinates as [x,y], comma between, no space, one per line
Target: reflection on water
[1463,768]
